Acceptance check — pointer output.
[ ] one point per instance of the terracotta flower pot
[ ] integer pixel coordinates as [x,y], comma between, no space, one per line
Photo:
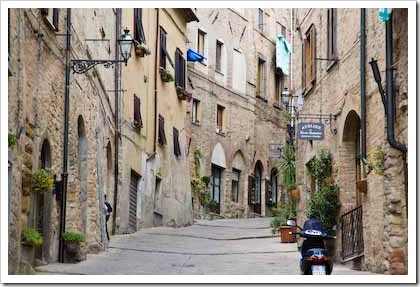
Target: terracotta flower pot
[285,236]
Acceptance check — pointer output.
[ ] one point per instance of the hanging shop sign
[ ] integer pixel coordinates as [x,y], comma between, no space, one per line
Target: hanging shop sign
[310,131]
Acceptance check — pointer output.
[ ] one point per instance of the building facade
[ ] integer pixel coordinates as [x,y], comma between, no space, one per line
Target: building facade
[334,49]
[236,122]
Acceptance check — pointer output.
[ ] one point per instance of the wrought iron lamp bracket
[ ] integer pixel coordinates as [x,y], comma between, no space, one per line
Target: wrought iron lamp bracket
[82,66]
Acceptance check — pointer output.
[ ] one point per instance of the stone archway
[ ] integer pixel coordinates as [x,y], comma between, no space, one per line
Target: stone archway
[350,160]
[42,211]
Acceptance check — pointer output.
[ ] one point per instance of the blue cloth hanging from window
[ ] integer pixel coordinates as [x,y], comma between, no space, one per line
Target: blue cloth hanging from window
[193,56]
[283,50]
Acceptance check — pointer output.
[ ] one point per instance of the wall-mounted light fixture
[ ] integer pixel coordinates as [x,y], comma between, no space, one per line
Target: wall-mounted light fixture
[126,42]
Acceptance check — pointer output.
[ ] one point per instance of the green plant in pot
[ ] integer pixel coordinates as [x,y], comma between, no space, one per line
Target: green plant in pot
[42,181]
[72,240]
[32,237]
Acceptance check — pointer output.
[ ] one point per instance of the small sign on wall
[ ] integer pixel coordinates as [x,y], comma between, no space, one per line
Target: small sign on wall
[310,131]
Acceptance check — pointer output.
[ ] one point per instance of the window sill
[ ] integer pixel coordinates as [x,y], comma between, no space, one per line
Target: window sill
[196,123]
[331,64]
[219,72]
[277,106]
[308,89]
[221,133]
[261,98]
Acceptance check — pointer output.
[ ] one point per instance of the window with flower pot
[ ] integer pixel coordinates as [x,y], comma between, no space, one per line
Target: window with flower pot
[137,121]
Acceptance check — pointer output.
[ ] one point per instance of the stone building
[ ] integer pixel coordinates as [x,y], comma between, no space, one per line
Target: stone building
[333,49]
[235,119]
[153,182]
[63,121]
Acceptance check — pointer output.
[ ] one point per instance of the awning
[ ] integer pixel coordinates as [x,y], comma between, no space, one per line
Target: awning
[193,56]
[283,50]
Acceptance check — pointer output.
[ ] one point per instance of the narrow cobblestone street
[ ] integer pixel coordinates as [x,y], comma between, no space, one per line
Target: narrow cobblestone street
[217,247]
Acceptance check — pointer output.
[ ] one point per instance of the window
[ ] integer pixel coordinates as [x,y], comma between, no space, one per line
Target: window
[261,79]
[177,149]
[195,112]
[219,46]
[260,20]
[235,185]
[239,68]
[179,69]
[220,118]
[216,174]
[138,123]
[163,52]
[161,137]
[308,59]
[200,42]
[51,15]
[279,86]
[138,26]
[332,33]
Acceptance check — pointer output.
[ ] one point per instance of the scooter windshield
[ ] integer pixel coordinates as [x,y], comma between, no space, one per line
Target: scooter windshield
[314,224]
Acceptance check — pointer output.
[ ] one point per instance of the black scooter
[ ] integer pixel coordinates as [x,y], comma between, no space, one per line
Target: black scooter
[315,259]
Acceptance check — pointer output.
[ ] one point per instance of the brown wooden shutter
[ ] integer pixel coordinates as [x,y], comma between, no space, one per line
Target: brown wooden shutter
[162,137]
[303,65]
[313,54]
[177,150]
[138,26]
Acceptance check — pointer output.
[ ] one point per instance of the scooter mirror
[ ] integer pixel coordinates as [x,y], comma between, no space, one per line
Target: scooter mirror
[291,222]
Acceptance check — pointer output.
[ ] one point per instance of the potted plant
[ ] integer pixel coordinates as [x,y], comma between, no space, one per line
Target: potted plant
[165,75]
[288,168]
[279,222]
[31,239]
[141,49]
[42,181]
[72,240]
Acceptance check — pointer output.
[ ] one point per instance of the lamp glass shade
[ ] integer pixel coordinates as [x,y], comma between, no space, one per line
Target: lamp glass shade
[285,97]
[125,44]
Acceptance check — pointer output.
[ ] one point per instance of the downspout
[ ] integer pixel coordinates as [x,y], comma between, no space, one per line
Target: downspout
[156,72]
[66,141]
[391,106]
[390,90]
[363,83]
[117,79]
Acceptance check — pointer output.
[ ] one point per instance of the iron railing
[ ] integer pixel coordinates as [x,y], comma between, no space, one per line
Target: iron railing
[352,234]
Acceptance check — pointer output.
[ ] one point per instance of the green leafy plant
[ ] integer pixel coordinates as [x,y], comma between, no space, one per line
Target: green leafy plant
[42,181]
[165,75]
[282,214]
[71,236]
[288,166]
[12,139]
[325,205]
[277,221]
[32,237]
[320,167]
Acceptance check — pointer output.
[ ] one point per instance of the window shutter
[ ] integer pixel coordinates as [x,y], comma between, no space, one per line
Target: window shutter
[138,26]
[303,65]
[313,54]
[162,43]
[55,18]
[137,112]
[177,149]
[162,137]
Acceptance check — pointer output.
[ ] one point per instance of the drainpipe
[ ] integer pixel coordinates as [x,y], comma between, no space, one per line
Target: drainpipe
[363,82]
[156,71]
[390,90]
[66,141]
[117,126]
[391,106]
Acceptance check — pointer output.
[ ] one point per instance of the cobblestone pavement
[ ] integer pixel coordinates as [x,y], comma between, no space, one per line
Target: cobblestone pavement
[217,247]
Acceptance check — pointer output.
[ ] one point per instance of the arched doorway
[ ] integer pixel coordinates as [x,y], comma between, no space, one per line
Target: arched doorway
[254,198]
[82,154]
[218,165]
[350,157]
[42,212]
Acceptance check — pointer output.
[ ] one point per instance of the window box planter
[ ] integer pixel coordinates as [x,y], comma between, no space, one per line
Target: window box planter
[165,75]
[141,49]
[73,246]
[42,181]
[183,94]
